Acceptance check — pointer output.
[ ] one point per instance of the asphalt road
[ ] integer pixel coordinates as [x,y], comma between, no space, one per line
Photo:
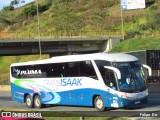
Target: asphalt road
[152,109]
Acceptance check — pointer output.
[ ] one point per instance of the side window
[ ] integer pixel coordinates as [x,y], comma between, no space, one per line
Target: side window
[72,69]
[45,70]
[100,64]
[87,69]
[32,71]
[57,70]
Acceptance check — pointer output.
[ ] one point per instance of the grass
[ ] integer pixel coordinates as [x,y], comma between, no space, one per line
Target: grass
[137,44]
[90,15]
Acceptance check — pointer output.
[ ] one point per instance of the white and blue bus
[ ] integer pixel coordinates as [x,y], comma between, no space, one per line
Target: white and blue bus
[102,80]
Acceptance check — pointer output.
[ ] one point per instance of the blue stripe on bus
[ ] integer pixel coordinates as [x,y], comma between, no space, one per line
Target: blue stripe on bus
[79,97]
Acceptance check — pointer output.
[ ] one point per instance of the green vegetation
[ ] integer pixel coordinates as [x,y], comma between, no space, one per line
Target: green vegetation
[137,44]
[8,8]
[32,10]
[80,15]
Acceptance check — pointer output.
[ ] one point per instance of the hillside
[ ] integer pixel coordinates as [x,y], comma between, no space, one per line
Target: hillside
[82,15]
[62,15]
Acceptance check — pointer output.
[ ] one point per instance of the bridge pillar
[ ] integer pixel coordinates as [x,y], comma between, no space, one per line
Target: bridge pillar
[70,49]
[110,43]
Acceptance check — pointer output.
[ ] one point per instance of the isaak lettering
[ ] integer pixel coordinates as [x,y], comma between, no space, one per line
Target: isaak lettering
[64,82]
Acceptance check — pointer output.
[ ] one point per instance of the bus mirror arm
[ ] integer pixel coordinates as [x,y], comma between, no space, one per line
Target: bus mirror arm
[115,70]
[149,69]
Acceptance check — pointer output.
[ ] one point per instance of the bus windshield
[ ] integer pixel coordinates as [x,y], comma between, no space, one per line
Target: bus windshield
[132,76]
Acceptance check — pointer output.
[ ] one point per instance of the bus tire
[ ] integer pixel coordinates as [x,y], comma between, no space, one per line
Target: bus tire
[28,101]
[37,102]
[99,104]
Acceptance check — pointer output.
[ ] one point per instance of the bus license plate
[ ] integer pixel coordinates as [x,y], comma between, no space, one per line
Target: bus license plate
[137,102]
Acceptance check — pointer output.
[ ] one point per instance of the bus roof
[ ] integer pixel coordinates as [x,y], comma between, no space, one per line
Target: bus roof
[112,57]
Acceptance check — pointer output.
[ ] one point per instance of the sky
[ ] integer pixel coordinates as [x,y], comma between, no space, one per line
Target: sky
[7,3]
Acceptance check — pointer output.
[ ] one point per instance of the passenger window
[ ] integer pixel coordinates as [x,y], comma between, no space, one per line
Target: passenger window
[72,69]
[87,69]
[57,70]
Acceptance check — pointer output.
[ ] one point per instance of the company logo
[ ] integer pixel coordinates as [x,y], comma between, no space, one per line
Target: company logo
[16,71]
[27,72]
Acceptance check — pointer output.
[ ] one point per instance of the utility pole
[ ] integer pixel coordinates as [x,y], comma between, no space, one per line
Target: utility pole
[38,29]
[122,21]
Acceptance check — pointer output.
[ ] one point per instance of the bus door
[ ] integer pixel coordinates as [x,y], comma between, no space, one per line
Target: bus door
[110,80]
[111,76]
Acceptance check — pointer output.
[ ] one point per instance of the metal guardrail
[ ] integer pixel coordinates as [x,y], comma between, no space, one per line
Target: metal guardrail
[55,34]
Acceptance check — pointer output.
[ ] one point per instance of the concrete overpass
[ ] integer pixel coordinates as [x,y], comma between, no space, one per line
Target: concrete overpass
[57,46]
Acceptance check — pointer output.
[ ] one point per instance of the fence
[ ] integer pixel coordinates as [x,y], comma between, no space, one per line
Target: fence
[147,35]
[59,34]
[55,34]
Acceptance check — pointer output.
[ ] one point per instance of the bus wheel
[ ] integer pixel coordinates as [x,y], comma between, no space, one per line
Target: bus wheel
[28,101]
[37,102]
[99,104]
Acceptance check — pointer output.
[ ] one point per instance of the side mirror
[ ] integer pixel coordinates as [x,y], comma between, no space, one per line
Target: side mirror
[149,69]
[115,70]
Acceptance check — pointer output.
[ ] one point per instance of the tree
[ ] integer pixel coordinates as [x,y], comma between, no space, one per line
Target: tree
[8,8]
[23,1]
[14,2]
[30,11]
